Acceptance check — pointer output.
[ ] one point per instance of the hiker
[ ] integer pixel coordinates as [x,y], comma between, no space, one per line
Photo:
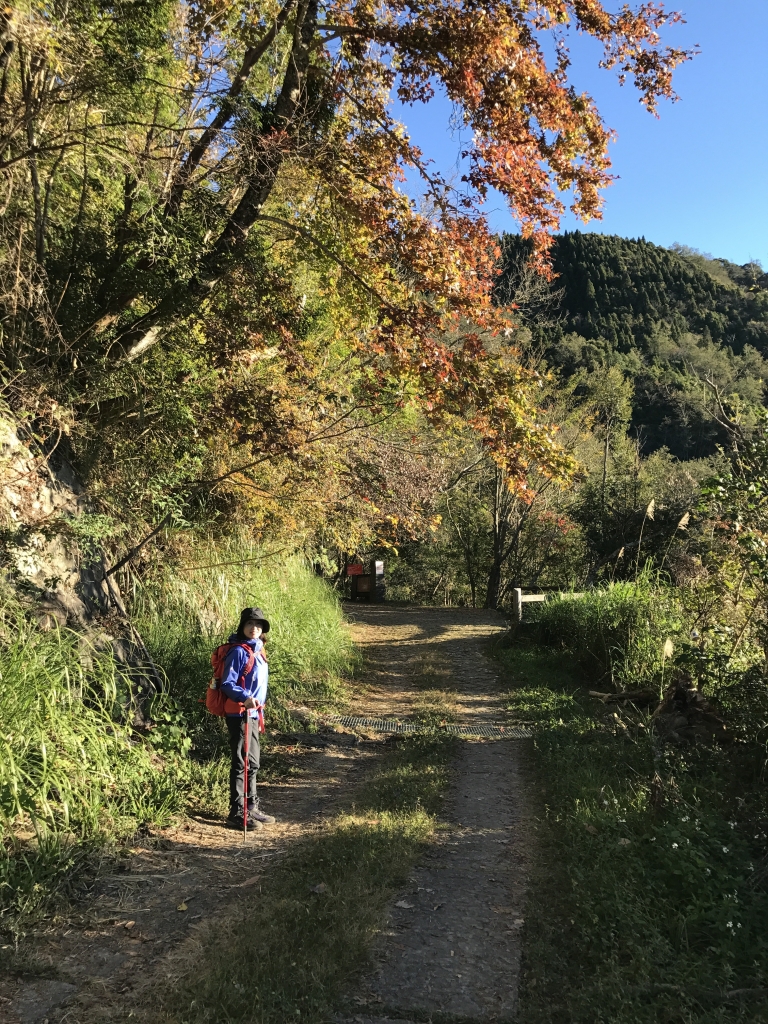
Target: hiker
[244,686]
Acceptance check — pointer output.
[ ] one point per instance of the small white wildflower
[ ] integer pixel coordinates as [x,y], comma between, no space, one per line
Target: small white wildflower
[686,818]
[726,850]
[732,824]
[729,925]
[653,839]
[751,867]
[674,846]
[739,925]
[709,871]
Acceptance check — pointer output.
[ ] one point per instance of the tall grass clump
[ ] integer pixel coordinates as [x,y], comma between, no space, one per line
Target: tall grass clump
[183,615]
[615,635]
[71,774]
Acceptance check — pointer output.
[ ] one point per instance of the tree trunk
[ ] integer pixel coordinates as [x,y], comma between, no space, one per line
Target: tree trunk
[494,585]
[499,533]
[182,299]
[604,480]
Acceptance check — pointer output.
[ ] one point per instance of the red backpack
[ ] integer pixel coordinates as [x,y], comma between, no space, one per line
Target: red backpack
[214,696]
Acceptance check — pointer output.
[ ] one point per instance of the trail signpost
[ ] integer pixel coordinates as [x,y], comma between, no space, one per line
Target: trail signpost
[366,586]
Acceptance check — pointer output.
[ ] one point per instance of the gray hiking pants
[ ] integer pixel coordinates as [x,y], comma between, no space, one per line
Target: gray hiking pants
[236,729]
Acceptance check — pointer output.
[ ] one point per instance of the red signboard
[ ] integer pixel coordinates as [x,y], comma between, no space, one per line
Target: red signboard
[355,569]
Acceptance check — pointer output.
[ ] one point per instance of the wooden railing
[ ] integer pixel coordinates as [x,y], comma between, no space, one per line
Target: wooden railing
[519,599]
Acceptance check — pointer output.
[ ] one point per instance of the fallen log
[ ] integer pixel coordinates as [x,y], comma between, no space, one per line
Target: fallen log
[640,697]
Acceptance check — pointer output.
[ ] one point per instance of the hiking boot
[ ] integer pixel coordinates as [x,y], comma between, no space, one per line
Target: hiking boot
[260,816]
[251,825]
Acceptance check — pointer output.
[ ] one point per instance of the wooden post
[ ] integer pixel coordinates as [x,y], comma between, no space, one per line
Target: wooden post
[518,603]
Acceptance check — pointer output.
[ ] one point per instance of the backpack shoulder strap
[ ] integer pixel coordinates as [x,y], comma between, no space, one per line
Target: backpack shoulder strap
[251,659]
[223,651]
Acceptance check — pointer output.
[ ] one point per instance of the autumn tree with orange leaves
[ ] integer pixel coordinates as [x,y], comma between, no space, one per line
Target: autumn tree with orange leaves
[193,189]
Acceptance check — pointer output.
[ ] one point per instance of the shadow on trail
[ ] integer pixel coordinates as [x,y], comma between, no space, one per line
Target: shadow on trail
[295,944]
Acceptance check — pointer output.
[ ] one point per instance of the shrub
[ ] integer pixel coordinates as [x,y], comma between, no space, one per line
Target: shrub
[617,634]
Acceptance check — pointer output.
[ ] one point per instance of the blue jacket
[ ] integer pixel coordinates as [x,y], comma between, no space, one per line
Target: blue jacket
[255,683]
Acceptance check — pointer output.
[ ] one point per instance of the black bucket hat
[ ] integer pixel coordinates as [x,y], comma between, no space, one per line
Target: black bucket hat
[253,615]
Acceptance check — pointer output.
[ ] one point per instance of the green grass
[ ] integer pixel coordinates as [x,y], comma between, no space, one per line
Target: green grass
[290,952]
[648,896]
[615,635]
[74,779]
[71,775]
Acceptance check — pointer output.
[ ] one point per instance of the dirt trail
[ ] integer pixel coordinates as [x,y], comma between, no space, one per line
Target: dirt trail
[451,945]
[454,948]
[436,646]
[107,950]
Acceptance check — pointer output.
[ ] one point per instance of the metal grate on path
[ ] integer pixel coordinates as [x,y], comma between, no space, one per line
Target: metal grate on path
[495,732]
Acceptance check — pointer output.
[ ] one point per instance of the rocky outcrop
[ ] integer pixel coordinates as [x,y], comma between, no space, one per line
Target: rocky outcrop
[58,579]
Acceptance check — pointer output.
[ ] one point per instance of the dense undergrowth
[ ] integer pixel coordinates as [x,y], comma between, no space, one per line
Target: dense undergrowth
[614,635]
[644,632]
[74,778]
[182,616]
[651,879]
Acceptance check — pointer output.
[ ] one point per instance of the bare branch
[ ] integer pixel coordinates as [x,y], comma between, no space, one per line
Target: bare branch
[252,56]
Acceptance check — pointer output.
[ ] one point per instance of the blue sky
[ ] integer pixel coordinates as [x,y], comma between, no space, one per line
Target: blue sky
[697,175]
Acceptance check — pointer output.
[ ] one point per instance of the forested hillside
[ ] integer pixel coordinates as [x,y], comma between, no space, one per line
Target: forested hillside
[623,290]
[678,323]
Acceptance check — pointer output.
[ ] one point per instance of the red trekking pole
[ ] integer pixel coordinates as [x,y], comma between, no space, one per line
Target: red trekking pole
[245,778]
